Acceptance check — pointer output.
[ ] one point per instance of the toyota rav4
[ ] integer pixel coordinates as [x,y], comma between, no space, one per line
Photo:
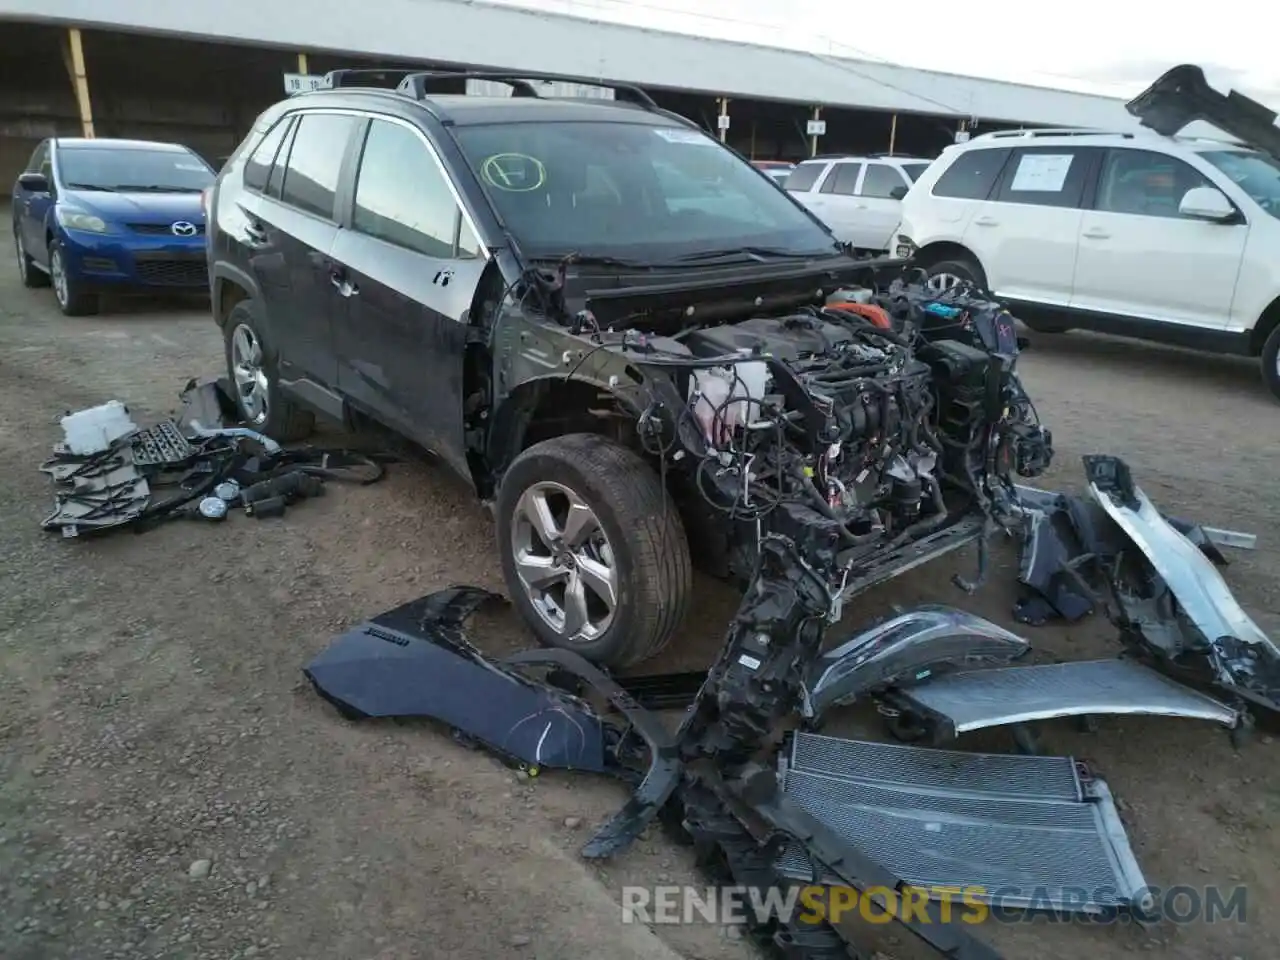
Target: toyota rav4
[625,338]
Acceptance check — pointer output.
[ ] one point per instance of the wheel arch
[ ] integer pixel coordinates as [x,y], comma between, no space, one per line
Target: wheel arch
[551,406]
[230,286]
[1267,323]
[939,250]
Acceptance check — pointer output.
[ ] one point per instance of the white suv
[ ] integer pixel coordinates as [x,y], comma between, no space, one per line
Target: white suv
[859,198]
[1137,234]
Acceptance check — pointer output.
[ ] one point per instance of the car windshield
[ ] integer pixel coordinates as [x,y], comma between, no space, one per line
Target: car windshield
[158,171]
[631,191]
[913,170]
[1257,174]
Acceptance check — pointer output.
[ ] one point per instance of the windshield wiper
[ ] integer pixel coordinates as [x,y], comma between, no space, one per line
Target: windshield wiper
[759,254]
[151,188]
[595,261]
[91,186]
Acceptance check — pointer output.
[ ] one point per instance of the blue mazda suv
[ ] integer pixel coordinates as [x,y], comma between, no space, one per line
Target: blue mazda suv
[97,215]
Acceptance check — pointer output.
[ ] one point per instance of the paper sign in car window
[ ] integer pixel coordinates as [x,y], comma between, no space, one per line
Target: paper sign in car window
[675,135]
[1042,172]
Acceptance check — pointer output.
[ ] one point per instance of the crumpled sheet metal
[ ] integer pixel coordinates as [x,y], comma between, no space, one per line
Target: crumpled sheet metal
[415,661]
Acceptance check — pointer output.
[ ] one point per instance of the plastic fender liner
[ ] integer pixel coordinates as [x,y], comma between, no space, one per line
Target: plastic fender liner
[909,647]
[415,661]
[665,769]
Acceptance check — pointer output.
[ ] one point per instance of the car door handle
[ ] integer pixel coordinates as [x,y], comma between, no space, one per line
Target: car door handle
[986,222]
[255,235]
[1096,234]
[342,284]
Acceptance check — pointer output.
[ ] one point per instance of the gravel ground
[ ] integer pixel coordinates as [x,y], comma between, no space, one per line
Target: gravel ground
[170,787]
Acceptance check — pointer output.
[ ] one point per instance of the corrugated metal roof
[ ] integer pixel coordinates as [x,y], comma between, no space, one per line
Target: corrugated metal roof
[464,32]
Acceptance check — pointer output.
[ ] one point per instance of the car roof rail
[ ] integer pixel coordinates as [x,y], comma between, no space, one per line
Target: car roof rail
[1051,132]
[362,77]
[415,84]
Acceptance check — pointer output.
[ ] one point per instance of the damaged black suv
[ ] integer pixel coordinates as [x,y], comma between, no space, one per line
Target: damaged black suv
[622,335]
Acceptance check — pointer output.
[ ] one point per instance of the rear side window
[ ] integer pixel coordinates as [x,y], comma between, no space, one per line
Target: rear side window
[913,170]
[1045,176]
[842,179]
[315,161]
[971,175]
[880,182]
[804,177]
[258,167]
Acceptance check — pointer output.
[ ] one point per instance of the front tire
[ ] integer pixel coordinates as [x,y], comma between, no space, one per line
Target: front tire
[252,369]
[1271,363]
[593,551]
[72,299]
[953,272]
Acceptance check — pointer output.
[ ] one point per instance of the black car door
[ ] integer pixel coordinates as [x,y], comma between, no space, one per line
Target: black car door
[407,263]
[289,229]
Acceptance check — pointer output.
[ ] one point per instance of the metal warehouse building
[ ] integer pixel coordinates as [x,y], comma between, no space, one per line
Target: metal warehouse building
[198,71]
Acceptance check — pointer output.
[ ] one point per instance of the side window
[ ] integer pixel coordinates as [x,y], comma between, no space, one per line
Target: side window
[804,177]
[1045,176]
[39,159]
[403,198]
[315,160]
[276,181]
[971,175]
[880,182]
[258,167]
[843,179]
[1144,183]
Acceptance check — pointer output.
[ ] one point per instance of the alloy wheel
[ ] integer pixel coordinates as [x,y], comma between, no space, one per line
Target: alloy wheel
[248,374]
[58,273]
[565,562]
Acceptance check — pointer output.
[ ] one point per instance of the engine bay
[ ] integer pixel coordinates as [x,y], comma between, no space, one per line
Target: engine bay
[854,426]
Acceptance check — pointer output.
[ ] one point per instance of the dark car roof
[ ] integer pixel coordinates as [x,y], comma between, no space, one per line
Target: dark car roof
[465,110]
[75,143]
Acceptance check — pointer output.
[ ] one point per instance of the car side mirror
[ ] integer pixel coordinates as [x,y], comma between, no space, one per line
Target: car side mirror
[897,193]
[34,182]
[1207,203]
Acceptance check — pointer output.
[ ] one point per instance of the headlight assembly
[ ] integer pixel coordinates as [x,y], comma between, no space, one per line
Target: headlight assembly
[82,221]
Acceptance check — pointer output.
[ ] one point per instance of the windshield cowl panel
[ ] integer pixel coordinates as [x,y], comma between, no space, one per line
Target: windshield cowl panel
[634,192]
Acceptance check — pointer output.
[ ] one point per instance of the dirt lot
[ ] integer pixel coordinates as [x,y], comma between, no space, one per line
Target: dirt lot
[152,712]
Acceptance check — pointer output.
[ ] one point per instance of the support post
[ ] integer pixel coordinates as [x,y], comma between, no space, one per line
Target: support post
[813,137]
[893,134]
[753,140]
[722,122]
[302,64]
[79,80]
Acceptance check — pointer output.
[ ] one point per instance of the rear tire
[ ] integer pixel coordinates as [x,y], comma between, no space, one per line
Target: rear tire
[32,276]
[252,362]
[623,537]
